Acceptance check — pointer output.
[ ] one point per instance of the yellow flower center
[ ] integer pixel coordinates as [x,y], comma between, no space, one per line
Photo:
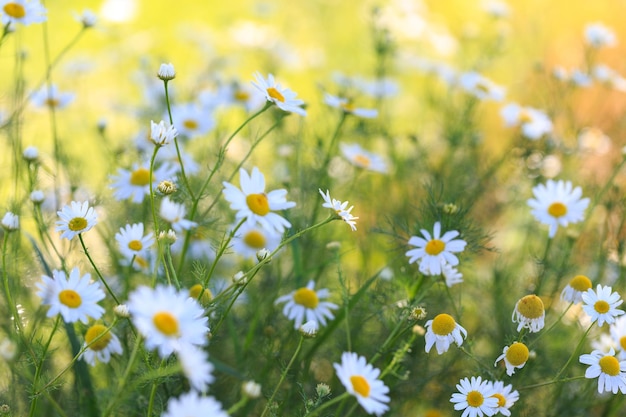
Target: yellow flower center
[501,399]
[435,247]
[196,290]
[15,10]
[141,261]
[306,297]
[360,385]
[275,94]
[190,124]
[517,354]
[70,298]
[77,223]
[483,87]
[241,95]
[258,204]
[475,399]
[362,160]
[609,365]
[580,283]
[135,245]
[52,102]
[601,306]
[166,323]
[432,413]
[524,117]
[254,239]
[557,209]
[95,332]
[348,107]
[443,324]
[622,342]
[140,176]
[530,307]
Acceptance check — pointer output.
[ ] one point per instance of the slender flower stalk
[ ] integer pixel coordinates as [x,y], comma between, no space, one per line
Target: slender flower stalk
[104,282]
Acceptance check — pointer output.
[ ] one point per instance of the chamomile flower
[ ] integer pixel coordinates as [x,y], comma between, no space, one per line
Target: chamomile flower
[10,221]
[174,214]
[192,404]
[611,372]
[533,123]
[601,305]
[25,12]
[75,298]
[134,185]
[361,380]
[574,290]
[475,398]
[597,35]
[557,204]
[192,120]
[306,304]
[132,241]
[283,98]
[529,313]
[250,238]
[618,334]
[254,204]
[506,397]
[442,331]
[515,357]
[480,87]
[167,318]
[346,106]
[340,208]
[451,275]
[100,344]
[166,71]
[361,158]
[435,251]
[75,219]
[162,134]
[196,367]
[51,97]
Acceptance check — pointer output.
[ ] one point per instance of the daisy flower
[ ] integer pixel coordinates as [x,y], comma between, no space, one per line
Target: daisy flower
[236,94]
[573,291]
[557,204]
[347,107]
[168,319]
[284,98]
[192,404]
[10,221]
[132,241]
[361,158]
[305,304]
[134,185]
[340,208]
[51,97]
[254,205]
[75,219]
[515,357]
[618,334]
[174,214]
[480,87]
[192,120]
[435,251]
[611,372]
[506,397]
[451,275]
[162,134]
[475,398]
[100,343]
[442,331]
[75,298]
[597,35]
[361,380]
[166,71]
[533,123]
[196,367]
[250,238]
[530,313]
[601,305]
[25,12]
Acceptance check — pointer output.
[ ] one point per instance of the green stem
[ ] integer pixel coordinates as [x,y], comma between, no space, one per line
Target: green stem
[7,289]
[225,244]
[544,260]
[153,390]
[328,404]
[574,353]
[33,404]
[122,381]
[82,243]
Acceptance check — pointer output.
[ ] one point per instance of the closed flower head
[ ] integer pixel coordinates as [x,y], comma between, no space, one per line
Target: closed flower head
[529,313]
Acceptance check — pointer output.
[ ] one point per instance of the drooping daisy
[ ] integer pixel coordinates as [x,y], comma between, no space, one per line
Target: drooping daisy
[306,304]
[506,397]
[515,357]
[451,275]
[174,214]
[251,238]
[75,298]
[168,319]
[361,158]
[480,87]
[347,107]
[529,313]
[132,241]
[192,404]
[134,185]
[574,290]
[618,334]
[162,134]
[283,98]
[75,219]
[361,380]
[51,97]
[611,372]
[24,12]
[557,204]
[192,120]
[533,123]
[442,331]
[598,35]
[475,398]
[435,251]
[254,205]
[341,208]
[601,305]
[100,343]
[196,367]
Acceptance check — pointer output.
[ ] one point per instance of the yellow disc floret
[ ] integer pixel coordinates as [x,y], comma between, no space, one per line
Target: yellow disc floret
[77,223]
[530,307]
[190,124]
[14,10]
[135,245]
[362,160]
[443,324]
[557,209]
[100,332]
[360,385]
[306,297]
[140,177]
[580,283]
[166,323]
[196,290]
[501,399]
[254,239]
[434,247]
[609,365]
[475,399]
[258,204]
[517,354]
[602,307]
[275,94]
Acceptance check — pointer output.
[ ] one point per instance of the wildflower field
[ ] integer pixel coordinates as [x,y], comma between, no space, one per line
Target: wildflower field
[312,208]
